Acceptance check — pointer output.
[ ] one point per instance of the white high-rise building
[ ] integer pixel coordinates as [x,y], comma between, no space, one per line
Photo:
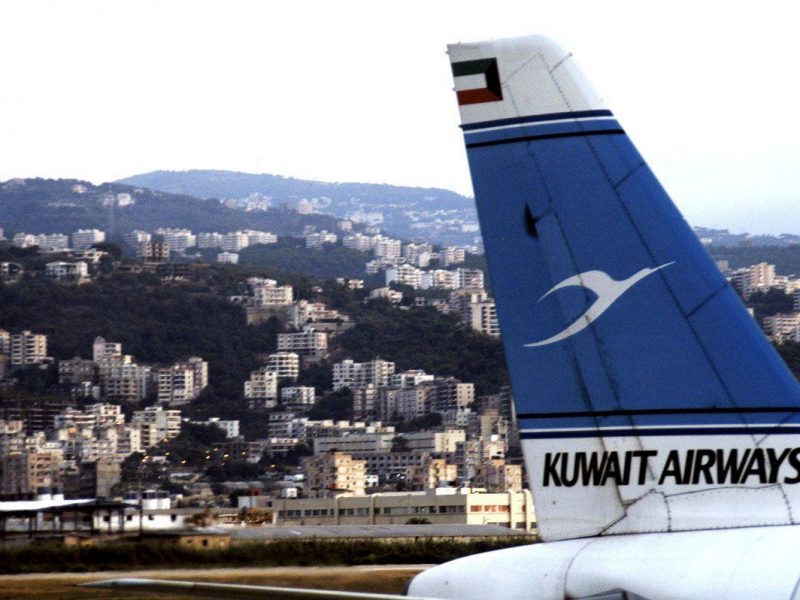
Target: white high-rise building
[178,239]
[136,238]
[267,292]
[305,343]
[348,373]
[260,237]
[52,242]
[389,249]
[404,275]
[235,241]
[86,238]
[285,365]
[209,240]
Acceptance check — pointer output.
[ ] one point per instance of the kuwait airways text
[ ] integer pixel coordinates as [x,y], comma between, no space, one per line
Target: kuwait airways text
[690,467]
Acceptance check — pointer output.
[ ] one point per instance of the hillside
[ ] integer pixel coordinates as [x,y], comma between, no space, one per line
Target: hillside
[66,205]
[436,214]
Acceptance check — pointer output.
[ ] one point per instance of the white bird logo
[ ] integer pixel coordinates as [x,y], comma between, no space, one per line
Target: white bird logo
[607,289]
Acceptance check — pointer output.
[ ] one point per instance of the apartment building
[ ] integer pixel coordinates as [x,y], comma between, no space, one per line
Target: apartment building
[261,390]
[452,256]
[388,294]
[122,380]
[178,239]
[470,279]
[439,396]
[351,374]
[309,342]
[364,398]
[5,342]
[298,398]
[410,378]
[156,424]
[228,258]
[135,238]
[495,475]
[103,350]
[63,271]
[183,381]
[755,278]
[318,239]
[388,249]
[86,238]
[209,240]
[230,427]
[304,313]
[260,237]
[483,318]
[404,275]
[354,444]
[154,251]
[28,349]
[418,254]
[782,325]
[285,365]
[234,241]
[267,293]
[32,470]
[333,473]
[431,474]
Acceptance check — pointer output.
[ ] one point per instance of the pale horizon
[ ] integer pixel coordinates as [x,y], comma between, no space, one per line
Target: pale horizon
[359,92]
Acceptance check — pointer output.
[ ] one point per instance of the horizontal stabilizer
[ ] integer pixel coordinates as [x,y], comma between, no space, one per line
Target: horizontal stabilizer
[227,590]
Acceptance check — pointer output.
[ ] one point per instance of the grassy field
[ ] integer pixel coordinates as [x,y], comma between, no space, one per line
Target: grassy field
[61,586]
[133,556]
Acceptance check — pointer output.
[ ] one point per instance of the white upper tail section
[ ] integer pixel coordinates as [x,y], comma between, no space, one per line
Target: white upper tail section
[648,399]
[536,76]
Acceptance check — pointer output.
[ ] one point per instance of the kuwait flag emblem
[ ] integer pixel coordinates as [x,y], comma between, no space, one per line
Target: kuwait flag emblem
[477,81]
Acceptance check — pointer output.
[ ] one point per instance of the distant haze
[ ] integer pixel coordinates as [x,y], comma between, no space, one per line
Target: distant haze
[361,91]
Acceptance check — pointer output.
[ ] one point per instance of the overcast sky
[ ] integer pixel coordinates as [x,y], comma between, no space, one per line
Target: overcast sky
[361,91]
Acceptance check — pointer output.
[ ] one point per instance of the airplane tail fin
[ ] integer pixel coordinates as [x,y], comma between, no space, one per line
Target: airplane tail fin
[648,399]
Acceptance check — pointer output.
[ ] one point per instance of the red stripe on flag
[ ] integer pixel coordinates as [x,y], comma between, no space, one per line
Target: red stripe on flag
[477,96]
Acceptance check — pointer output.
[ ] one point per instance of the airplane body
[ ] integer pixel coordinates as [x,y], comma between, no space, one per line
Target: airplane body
[660,429]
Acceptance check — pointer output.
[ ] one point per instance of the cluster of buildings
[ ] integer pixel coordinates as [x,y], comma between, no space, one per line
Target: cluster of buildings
[78,259]
[83,239]
[761,277]
[80,451]
[157,246]
[355,465]
[22,349]
[116,377]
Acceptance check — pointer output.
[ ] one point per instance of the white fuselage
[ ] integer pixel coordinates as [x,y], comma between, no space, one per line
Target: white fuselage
[753,562]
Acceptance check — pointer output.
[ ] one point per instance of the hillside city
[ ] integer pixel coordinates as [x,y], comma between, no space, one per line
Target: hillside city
[352,412]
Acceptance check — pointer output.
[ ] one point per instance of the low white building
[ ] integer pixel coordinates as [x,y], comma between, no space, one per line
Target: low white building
[228,258]
[61,270]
